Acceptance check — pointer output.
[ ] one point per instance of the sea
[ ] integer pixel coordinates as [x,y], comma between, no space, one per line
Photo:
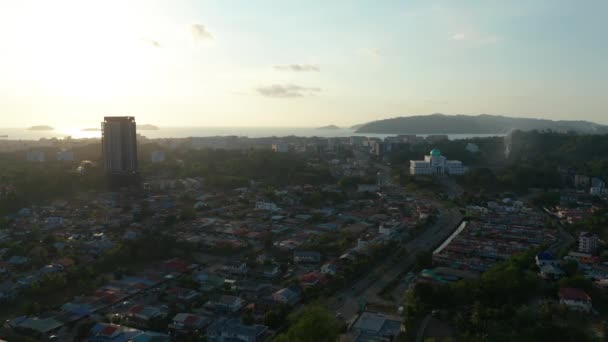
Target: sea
[186,132]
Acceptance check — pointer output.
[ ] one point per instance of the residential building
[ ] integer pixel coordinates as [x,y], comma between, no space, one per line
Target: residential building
[289,295]
[143,313]
[306,257]
[368,188]
[266,206]
[8,290]
[235,267]
[103,332]
[330,268]
[271,270]
[372,326]
[64,155]
[473,148]
[35,156]
[185,322]
[588,243]
[157,156]
[151,336]
[598,183]
[313,278]
[119,147]
[183,294]
[576,299]
[549,271]
[231,330]
[436,164]
[208,281]
[226,303]
[546,258]
[280,147]
[581,181]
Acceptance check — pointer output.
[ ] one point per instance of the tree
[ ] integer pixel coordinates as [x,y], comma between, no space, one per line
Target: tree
[423,260]
[570,267]
[312,324]
[82,329]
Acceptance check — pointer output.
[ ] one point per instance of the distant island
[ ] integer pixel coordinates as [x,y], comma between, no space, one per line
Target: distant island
[329,127]
[479,124]
[91,129]
[41,128]
[356,126]
[147,127]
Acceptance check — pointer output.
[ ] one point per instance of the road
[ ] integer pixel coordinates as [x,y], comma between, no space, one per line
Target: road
[368,287]
[420,333]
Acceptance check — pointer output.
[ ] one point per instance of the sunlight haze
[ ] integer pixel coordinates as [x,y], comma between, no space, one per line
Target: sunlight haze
[294,63]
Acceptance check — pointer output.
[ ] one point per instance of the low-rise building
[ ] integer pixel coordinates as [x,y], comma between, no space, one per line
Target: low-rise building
[185,323]
[576,299]
[289,295]
[65,156]
[372,326]
[235,267]
[306,257]
[226,303]
[436,164]
[35,156]
[280,147]
[546,258]
[231,330]
[157,156]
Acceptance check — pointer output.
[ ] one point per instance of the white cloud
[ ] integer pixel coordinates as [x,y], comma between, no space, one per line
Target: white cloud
[199,32]
[286,90]
[371,52]
[297,67]
[152,42]
[459,36]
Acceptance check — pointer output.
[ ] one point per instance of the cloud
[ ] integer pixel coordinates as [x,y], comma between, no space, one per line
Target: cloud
[459,36]
[152,42]
[286,90]
[373,52]
[297,67]
[199,32]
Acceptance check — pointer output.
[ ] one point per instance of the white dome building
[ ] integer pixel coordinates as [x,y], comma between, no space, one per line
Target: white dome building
[436,164]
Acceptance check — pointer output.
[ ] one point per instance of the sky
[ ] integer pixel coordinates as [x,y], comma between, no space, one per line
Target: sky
[299,63]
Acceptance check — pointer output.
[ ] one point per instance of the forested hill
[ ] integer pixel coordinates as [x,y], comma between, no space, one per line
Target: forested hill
[480,124]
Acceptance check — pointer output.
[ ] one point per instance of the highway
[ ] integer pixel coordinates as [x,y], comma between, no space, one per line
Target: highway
[346,302]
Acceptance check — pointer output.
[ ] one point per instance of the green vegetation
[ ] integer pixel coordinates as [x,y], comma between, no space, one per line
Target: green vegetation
[311,324]
[596,223]
[503,305]
[234,168]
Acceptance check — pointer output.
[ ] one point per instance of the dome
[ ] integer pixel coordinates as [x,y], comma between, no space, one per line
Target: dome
[435,153]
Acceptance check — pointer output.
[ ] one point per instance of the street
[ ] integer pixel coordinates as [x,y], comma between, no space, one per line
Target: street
[366,289]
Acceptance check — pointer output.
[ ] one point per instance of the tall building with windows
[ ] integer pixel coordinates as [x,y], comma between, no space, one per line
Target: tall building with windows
[588,243]
[119,148]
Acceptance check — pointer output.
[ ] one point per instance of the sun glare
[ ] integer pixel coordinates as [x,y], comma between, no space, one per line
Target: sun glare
[85,54]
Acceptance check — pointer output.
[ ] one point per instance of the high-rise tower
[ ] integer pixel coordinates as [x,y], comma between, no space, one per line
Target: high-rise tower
[119,148]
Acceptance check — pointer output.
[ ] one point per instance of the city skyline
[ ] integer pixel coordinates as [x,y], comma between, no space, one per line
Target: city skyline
[294,65]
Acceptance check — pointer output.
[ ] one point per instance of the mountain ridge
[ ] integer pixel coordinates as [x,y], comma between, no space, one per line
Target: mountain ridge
[474,124]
